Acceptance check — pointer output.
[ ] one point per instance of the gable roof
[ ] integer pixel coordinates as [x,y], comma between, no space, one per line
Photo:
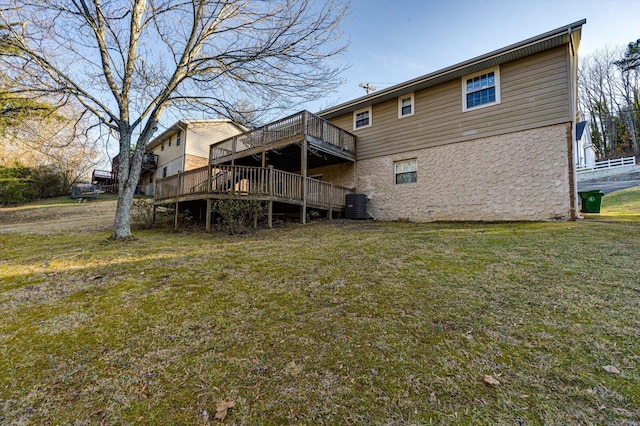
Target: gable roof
[580,129]
[558,37]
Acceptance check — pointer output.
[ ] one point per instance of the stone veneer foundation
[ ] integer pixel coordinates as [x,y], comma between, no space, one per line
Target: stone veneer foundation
[518,176]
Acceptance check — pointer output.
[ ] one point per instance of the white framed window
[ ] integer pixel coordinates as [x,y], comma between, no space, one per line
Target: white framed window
[169,140]
[362,118]
[162,147]
[481,89]
[405,171]
[178,138]
[405,105]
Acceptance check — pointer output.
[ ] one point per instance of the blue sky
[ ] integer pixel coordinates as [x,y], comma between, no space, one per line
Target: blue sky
[392,41]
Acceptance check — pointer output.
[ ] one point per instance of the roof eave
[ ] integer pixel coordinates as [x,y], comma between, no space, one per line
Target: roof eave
[509,53]
[183,124]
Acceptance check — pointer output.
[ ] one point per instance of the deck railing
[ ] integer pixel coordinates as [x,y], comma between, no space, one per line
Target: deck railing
[252,181]
[295,126]
[190,182]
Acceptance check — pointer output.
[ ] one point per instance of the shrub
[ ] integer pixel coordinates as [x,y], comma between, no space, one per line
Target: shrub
[238,216]
[20,184]
[11,191]
[142,213]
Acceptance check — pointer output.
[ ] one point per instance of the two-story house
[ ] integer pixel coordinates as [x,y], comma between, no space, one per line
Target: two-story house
[490,138]
[184,146]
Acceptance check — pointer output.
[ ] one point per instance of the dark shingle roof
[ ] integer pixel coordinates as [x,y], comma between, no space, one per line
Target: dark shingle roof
[580,129]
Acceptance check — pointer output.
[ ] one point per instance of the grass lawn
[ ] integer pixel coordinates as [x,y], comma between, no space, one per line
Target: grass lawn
[60,201]
[350,323]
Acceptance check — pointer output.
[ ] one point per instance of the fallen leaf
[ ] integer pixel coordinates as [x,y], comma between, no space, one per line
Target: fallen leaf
[221,409]
[611,369]
[491,381]
[623,412]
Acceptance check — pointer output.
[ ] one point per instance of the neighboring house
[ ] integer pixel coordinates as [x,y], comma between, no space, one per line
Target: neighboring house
[183,146]
[585,153]
[491,138]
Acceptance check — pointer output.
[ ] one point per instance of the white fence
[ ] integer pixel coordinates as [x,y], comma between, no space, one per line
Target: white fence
[607,164]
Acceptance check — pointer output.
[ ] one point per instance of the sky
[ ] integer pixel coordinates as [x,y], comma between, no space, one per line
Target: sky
[392,41]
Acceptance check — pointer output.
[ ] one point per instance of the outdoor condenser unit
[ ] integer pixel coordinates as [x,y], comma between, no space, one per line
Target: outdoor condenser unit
[355,206]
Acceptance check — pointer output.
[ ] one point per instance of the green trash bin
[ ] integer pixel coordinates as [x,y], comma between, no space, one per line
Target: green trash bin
[591,201]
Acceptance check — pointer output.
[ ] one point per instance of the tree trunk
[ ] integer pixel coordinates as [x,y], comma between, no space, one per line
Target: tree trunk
[129,172]
[122,223]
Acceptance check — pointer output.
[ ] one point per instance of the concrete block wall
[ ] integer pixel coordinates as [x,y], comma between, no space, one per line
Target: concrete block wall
[518,176]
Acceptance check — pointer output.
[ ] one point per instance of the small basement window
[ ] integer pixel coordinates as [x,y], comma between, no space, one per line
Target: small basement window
[362,118]
[481,89]
[405,106]
[405,171]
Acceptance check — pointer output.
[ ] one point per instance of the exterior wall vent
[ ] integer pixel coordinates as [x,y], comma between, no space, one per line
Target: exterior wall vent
[355,206]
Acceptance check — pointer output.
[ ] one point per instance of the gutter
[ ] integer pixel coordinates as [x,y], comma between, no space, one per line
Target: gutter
[371,99]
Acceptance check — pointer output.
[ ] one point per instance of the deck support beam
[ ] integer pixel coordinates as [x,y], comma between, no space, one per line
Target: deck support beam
[303,167]
[175,219]
[208,220]
[270,214]
[330,212]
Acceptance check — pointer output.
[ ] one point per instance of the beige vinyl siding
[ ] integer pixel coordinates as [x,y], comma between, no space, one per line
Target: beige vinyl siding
[194,162]
[172,157]
[173,167]
[170,153]
[534,93]
[200,136]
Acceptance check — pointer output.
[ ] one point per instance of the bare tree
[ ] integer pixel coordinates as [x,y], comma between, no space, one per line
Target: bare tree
[608,95]
[128,61]
[56,141]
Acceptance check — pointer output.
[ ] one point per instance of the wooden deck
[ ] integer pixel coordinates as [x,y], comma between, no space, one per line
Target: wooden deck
[303,126]
[238,167]
[261,183]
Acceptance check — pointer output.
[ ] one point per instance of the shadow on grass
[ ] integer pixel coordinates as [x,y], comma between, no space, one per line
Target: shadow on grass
[331,323]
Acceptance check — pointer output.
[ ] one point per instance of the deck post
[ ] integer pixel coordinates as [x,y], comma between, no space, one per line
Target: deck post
[153,218]
[303,169]
[208,220]
[263,142]
[255,220]
[270,192]
[303,209]
[330,212]
[233,155]
[175,219]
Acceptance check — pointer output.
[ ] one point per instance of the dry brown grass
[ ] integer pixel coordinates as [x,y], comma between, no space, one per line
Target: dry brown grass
[90,217]
[330,323]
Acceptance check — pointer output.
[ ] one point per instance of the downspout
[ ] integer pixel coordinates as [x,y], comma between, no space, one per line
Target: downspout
[184,145]
[573,203]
